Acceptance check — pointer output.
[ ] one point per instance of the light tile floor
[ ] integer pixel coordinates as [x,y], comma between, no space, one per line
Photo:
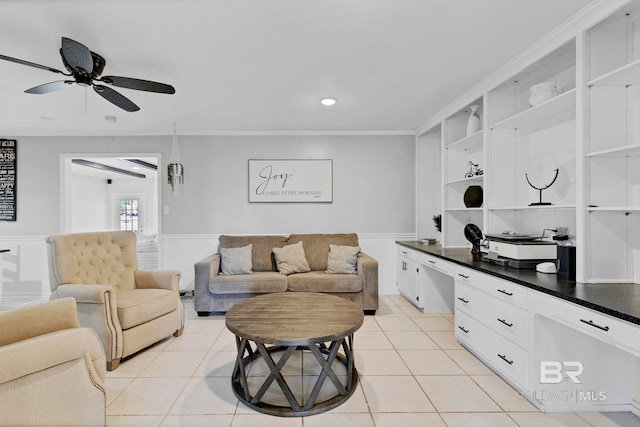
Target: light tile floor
[412,373]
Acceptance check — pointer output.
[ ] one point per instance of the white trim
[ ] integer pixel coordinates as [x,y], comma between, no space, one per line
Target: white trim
[39,239]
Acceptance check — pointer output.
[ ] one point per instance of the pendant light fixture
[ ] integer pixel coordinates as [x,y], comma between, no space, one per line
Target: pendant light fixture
[175,170]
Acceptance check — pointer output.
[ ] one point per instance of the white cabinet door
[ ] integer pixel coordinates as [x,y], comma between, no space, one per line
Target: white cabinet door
[407,272]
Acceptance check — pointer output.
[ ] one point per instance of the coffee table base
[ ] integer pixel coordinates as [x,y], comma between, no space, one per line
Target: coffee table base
[326,356]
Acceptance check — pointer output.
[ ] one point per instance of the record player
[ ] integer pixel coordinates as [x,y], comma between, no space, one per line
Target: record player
[514,250]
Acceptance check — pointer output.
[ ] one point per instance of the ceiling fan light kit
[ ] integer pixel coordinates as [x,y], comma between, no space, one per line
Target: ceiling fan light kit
[86,68]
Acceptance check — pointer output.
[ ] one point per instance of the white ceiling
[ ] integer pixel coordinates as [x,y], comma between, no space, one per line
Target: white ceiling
[262,65]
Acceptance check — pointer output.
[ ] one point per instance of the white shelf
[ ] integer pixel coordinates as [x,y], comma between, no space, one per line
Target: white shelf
[624,76]
[613,209]
[554,111]
[518,208]
[472,180]
[625,151]
[462,209]
[472,143]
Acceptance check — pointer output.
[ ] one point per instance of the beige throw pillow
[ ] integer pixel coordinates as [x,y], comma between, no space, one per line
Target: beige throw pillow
[342,259]
[291,259]
[236,260]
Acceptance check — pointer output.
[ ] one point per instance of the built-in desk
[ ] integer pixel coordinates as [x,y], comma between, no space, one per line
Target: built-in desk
[563,345]
[621,300]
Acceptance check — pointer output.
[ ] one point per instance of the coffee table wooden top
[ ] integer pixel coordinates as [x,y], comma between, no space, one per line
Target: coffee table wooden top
[294,318]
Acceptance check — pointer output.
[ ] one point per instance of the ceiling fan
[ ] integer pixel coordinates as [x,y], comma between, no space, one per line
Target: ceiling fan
[86,67]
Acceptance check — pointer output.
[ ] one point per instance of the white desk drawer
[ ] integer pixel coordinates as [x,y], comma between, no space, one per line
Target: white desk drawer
[469,331]
[507,358]
[434,262]
[616,332]
[498,353]
[505,319]
[406,253]
[502,289]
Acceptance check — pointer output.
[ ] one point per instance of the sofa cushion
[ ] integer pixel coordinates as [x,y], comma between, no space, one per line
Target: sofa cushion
[320,281]
[257,283]
[316,246]
[139,306]
[291,259]
[342,259]
[236,260]
[261,251]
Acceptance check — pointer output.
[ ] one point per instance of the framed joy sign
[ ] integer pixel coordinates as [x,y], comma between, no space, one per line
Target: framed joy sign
[291,181]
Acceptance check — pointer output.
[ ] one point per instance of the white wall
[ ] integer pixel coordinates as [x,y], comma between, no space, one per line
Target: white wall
[374,196]
[90,207]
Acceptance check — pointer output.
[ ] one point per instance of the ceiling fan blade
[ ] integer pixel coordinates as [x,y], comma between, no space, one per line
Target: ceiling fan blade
[50,87]
[115,98]
[76,55]
[138,84]
[31,64]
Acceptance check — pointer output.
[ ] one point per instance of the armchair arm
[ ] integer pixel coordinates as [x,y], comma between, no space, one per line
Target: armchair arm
[367,267]
[158,279]
[38,319]
[97,309]
[45,351]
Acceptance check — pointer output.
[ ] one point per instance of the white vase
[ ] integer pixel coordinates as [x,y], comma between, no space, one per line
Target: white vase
[473,124]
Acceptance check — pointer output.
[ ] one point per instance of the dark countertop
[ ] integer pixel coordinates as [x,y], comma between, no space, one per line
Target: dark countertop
[621,300]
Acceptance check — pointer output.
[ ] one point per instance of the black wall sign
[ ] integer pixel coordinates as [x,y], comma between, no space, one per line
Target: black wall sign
[8,175]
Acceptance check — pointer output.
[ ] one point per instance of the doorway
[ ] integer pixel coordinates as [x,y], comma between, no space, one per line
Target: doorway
[102,192]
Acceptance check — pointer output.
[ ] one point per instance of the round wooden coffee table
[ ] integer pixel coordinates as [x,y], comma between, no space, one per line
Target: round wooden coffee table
[288,322]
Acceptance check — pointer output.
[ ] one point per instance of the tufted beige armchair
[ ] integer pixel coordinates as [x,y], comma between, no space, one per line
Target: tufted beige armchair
[52,371]
[129,309]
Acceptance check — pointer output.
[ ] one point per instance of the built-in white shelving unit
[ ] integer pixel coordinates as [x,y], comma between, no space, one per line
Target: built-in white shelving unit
[460,147]
[590,131]
[612,149]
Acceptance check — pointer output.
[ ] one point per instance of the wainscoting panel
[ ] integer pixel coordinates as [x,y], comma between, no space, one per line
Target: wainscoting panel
[25,274]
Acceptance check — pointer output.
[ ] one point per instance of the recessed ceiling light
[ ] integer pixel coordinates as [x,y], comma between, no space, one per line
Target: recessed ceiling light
[328,101]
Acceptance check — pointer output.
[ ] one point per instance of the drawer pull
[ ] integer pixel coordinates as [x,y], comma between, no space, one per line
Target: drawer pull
[464,276]
[590,323]
[505,292]
[466,301]
[430,261]
[510,362]
[504,322]
[466,331]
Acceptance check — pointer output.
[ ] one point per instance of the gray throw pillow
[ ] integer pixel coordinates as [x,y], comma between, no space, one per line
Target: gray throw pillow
[291,259]
[236,260]
[342,259]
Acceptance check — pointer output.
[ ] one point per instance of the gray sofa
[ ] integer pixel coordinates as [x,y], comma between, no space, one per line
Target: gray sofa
[216,292]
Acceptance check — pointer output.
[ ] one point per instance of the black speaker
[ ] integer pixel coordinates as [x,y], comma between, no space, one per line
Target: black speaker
[566,262]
